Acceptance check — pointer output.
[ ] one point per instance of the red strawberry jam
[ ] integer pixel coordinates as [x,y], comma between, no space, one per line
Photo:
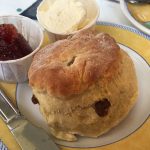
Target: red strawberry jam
[12,44]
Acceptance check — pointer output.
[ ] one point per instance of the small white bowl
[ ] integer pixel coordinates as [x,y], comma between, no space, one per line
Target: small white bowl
[91,6]
[17,70]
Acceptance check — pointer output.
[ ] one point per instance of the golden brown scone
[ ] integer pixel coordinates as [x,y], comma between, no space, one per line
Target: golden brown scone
[70,66]
[85,85]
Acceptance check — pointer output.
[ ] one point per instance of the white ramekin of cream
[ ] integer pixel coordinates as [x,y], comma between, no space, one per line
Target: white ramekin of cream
[65,17]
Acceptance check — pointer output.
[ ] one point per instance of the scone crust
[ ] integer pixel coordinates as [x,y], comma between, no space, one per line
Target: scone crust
[70,66]
[72,78]
[77,115]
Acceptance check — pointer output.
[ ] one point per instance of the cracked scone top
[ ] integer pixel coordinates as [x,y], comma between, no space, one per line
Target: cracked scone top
[70,66]
[85,84]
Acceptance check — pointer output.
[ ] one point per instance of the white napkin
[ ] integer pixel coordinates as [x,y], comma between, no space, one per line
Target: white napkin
[14,7]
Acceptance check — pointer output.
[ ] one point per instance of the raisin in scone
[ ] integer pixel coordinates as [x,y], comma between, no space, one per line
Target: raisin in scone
[85,85]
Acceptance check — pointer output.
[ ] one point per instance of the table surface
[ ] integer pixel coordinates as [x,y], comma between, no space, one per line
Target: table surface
[109,12]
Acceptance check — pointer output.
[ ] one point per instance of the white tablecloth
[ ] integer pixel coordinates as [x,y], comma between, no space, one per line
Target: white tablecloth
[111,12]
[8,7]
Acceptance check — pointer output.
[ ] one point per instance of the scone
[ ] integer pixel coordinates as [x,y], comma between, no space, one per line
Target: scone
[85,85]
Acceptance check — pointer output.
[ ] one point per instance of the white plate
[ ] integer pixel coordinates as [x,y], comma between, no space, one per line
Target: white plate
[133,121]
[126,12]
